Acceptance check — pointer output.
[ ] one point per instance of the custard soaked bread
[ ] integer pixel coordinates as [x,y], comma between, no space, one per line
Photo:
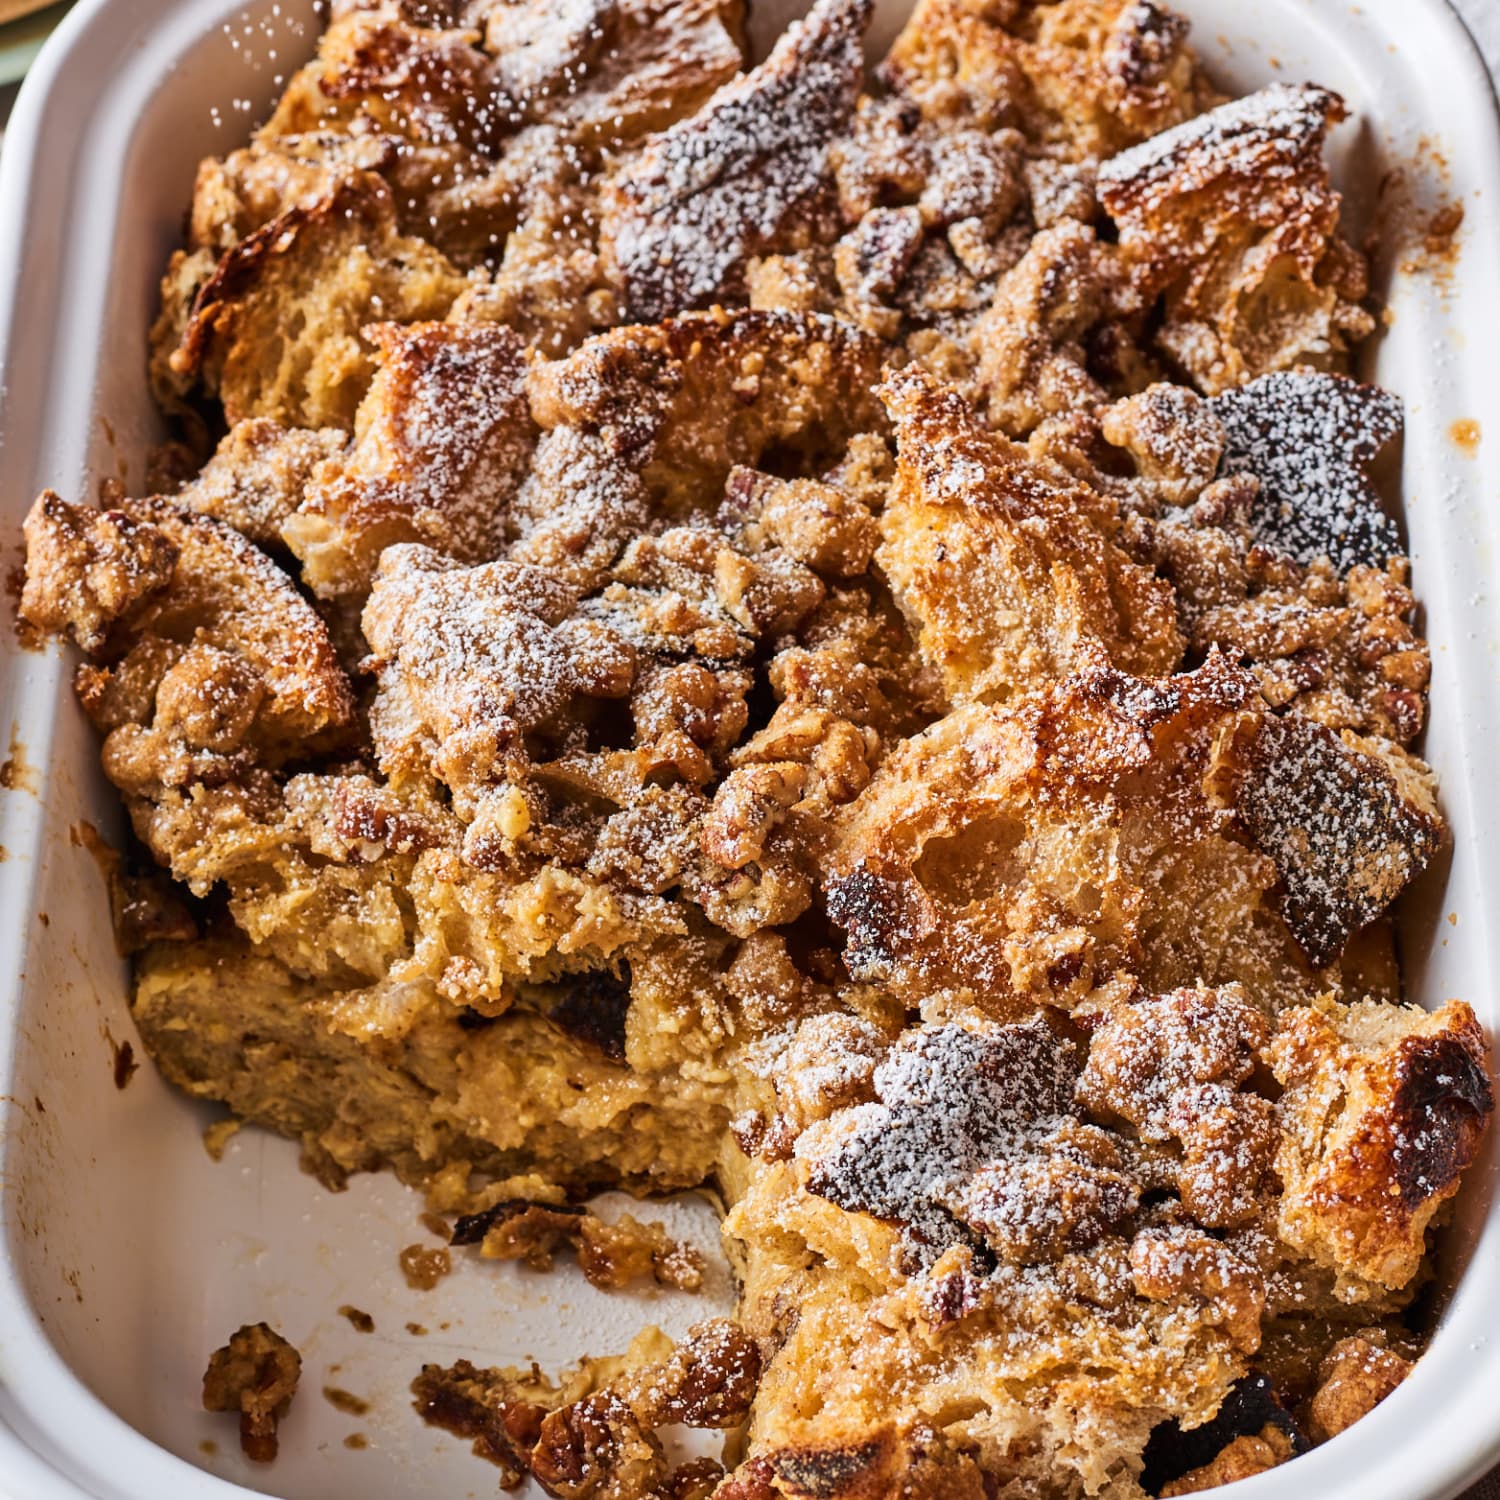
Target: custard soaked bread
[826,638]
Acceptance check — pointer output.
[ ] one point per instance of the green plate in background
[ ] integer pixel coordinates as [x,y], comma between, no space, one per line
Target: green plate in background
[20,41]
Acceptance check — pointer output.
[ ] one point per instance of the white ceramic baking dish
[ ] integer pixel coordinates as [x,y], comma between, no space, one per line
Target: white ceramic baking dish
[127,1255]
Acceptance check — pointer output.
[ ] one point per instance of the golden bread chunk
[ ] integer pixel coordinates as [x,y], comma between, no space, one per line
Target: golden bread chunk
[931,1235]
[1081,77]
[650,421]
[609,72]
[1382,1111]
[1172,1067]
[341,264]
[1007,569]
[1026,855]
[1030,359]
[238,194]
[196,585]
[427,81]
[440,445]
[605,71]
[1231,219]
[86,569]
[747,174]
[486,655]
[258,476]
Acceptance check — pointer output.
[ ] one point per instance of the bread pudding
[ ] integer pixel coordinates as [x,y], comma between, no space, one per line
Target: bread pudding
[825,635]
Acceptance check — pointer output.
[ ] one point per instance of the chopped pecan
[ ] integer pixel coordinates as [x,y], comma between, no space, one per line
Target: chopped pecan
[254,1374]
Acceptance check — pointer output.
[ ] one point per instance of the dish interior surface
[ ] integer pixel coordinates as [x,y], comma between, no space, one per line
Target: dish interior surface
[135,1253]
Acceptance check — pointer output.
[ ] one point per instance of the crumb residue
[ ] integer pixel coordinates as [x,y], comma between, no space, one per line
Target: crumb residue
[357,1441]
[416,1330]
[361,1321]
[424,1268]
[217,1136]
[1442,227]
[437,1225]
[1465,434]
[345,1401]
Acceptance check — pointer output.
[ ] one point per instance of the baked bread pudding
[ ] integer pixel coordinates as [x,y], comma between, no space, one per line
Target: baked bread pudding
[822,635]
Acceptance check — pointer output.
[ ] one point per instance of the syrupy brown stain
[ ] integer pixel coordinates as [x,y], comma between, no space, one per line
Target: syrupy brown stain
[16,775]
[357,1441]
[84,835]
[208,1447]
[424,1268]
[1465,434]
[345,1401]
[125,1065]
[416,1330]
[436,1224]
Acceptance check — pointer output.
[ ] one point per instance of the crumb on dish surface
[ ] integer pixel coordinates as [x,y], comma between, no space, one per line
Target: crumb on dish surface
[255,1374]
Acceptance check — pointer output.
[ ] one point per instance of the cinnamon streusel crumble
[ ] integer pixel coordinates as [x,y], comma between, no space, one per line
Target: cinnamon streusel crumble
[826,635]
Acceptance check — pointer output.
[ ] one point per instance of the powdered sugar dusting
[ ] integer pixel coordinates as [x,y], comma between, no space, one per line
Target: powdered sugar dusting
[973,1141]
[1268,132]
[1334,822]
[1308,437]
[717,188]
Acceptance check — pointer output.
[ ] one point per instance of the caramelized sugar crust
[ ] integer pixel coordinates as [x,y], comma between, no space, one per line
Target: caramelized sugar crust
[824,636]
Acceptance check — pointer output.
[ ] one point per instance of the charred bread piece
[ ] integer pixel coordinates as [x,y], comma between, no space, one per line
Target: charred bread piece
[1348,823]
[1382,1110]
[1309,439]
